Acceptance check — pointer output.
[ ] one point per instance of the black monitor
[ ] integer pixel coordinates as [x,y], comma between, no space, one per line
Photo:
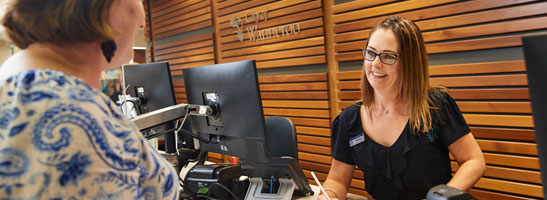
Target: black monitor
[152,84]
[535,55]
[237,127]
[232,90]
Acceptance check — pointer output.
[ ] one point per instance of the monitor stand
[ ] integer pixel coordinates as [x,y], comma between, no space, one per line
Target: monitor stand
[286,189]
[287,173]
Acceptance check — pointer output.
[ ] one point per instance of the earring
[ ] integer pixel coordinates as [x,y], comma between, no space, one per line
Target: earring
[108,47]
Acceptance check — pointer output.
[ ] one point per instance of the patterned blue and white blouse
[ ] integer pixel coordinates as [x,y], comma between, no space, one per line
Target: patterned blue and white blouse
[62,139]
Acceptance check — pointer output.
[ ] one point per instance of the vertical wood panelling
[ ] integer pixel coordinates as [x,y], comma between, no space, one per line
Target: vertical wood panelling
[148,32]
[329,44]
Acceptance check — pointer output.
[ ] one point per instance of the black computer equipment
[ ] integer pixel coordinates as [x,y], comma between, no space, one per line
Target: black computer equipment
[152,84]
[218,181]
[236,126]
[444,192]
[535,55]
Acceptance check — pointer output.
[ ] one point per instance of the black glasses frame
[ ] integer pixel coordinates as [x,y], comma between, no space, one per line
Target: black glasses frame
[364,51]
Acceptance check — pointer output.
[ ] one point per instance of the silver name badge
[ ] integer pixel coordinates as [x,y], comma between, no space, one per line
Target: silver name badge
[356,139]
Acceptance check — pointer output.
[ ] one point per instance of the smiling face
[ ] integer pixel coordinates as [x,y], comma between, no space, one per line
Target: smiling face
[383,77]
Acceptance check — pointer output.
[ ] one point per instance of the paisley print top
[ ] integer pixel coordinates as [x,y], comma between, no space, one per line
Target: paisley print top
[62,139]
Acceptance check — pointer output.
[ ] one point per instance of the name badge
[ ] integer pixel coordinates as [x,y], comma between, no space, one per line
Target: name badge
[355,140]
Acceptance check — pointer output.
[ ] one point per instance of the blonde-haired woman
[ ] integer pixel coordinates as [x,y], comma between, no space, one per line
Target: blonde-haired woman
[60,137]
[401,132]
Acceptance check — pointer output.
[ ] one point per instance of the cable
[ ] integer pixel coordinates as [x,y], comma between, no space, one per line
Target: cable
[202,158]
[184,132]
[177,136]
[228,190]
[183,120]
[271,184]
[181,182]
[196,136]
[204,196]
[132,107]
[190,133]
[155,135]
[177,131]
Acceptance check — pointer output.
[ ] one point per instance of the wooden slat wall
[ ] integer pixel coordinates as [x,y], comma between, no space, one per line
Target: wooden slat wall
[304,48]
[192,52]
[304,99]
[493,96]
[148,32]
[172,17]
[503,127]
[180,92]
[447,25]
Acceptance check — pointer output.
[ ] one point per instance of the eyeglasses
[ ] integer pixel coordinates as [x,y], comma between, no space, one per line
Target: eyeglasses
[386,58]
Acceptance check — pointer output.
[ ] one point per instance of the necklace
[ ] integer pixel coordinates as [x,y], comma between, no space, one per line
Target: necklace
[386,111]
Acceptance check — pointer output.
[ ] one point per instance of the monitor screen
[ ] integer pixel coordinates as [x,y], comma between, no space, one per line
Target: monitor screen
[232,90]
[152,84]
[535,55]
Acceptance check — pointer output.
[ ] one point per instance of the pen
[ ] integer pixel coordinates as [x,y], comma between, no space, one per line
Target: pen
[320,186]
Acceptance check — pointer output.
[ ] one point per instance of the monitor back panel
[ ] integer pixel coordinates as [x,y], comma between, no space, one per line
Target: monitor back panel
[242,131]
[535,54]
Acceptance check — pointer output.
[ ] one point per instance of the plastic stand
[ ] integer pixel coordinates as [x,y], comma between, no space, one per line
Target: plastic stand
[286,189]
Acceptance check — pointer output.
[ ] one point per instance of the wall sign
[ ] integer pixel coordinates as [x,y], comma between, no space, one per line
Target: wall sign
[256,34]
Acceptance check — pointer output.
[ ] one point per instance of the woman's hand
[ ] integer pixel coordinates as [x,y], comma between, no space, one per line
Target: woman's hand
[323,197]
[338,180]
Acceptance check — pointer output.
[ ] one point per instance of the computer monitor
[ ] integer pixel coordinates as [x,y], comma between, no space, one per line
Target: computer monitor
[152,84]
[535,55]
[232,90]
[237,127]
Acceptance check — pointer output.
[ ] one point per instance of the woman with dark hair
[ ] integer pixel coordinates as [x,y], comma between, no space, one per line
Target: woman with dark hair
[61,137]
[402,131]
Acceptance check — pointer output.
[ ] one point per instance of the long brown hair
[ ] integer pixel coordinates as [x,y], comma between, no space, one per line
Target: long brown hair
[414,71]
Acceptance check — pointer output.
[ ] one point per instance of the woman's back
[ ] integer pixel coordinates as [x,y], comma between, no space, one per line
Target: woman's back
[61,138]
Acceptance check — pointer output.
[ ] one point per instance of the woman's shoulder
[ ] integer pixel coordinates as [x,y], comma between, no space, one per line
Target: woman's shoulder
[438,97]
[351,111]
[38,98]
[49,84]
[42,90]
[349,116]
[443,107]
